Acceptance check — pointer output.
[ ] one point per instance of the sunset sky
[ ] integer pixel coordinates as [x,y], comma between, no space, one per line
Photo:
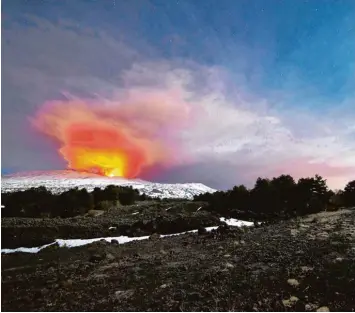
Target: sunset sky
[217,92]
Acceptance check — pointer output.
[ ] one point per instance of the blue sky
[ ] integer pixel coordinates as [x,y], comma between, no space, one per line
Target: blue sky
[274,41]
[293,60]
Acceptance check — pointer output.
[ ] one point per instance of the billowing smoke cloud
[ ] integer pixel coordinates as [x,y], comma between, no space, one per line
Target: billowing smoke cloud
[120,137]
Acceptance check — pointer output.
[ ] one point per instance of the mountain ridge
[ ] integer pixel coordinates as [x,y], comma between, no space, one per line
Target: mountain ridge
[61,180]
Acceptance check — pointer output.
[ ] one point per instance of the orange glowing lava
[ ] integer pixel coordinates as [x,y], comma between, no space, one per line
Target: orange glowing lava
[101,149]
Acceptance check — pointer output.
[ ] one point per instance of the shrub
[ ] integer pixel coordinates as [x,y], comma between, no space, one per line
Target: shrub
[127,197]
[106,205]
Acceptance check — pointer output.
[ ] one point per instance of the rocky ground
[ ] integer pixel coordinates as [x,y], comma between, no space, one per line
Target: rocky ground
[143,218]
[305,264]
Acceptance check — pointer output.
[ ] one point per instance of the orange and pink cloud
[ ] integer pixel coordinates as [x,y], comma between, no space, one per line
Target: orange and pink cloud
[120,137]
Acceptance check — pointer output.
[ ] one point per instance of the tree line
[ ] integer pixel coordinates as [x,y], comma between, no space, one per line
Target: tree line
[40,202]
[279,197]
[269,198]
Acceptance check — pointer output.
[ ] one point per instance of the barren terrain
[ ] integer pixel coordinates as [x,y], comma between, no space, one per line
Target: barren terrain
[305,264]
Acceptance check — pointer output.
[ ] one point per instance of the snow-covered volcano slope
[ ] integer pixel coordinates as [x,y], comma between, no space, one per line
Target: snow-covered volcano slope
[59,181]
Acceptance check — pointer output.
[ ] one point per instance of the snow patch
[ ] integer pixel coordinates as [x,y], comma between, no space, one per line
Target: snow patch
[235,222]
[26,250]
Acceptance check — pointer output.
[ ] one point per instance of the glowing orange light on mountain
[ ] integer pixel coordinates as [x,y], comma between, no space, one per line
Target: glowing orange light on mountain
[102,149]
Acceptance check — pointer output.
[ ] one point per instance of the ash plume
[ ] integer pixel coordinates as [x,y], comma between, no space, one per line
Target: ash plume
[120,137]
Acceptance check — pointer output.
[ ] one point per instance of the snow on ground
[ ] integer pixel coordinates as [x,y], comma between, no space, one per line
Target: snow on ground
[235,222]
[59,181]
[70,243]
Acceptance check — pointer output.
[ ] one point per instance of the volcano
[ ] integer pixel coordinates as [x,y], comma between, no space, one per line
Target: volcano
[62,180]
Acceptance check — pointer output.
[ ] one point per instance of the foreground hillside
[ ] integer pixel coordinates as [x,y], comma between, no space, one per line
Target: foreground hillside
[305,264]
[140,219]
